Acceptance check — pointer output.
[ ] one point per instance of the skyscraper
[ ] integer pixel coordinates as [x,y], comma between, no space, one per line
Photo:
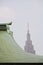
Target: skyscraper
[28,44]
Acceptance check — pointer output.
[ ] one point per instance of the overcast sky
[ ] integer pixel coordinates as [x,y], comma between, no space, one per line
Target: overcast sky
[20,12]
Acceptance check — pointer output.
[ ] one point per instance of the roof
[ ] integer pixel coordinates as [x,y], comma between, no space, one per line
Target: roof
[5,23]
[3,26]
[11,52]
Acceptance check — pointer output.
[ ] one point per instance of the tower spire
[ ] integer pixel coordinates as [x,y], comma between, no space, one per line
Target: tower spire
[28,44]
[28,26]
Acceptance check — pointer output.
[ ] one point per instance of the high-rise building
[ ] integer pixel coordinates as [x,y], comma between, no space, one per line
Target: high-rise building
[28,44]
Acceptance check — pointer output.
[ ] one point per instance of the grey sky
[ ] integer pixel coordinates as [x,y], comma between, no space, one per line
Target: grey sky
[21,12]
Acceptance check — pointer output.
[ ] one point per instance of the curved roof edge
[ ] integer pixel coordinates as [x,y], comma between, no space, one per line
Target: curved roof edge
[5,23]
